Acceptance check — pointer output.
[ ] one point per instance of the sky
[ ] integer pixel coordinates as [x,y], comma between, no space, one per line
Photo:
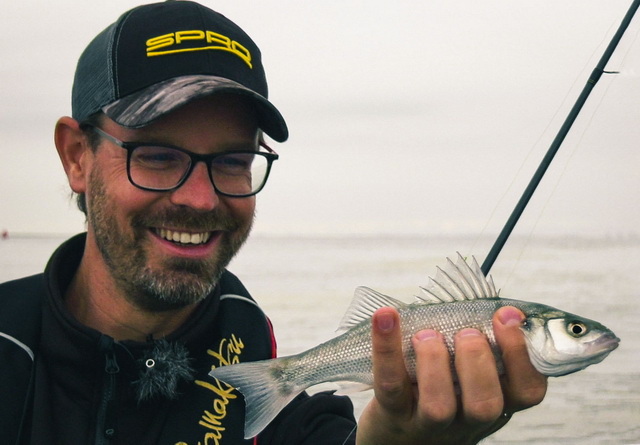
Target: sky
[406,117]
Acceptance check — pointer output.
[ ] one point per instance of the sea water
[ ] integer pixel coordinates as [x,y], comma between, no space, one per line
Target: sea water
[305,284]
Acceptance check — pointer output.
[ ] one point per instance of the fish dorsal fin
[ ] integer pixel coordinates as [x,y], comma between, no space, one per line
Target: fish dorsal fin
[428,296]
[436,293]
[475,287]
[460,274]
[478,277]
[365,302]
[458,282]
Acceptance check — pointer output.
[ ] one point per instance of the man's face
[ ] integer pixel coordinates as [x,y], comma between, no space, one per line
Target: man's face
[134,230]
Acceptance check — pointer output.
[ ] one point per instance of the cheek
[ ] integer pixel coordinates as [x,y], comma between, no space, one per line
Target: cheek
[241,208]
[567,345]
[536,339]
[564,342]
[112,191]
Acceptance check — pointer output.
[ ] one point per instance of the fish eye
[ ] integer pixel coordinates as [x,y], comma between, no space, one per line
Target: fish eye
[577,328]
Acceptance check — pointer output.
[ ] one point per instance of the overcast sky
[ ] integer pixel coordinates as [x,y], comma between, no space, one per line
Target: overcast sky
[405,117]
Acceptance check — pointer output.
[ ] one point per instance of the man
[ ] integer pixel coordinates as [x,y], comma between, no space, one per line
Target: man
[113,343]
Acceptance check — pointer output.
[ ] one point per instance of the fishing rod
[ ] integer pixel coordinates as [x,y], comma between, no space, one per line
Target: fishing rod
[555,145]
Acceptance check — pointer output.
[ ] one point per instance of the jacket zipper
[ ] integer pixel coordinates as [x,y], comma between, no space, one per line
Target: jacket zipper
[105,424]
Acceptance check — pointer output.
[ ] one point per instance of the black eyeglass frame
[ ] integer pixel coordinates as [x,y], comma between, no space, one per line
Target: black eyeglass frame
[270,156]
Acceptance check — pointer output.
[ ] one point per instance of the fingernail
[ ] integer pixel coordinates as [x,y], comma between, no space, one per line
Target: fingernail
[427,334]
[469,333]
[510,316]
[385,322]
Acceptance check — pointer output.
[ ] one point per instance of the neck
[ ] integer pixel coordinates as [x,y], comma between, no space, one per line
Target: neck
[95,300]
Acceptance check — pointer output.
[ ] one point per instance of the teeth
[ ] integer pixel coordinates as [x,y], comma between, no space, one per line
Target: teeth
[184,237]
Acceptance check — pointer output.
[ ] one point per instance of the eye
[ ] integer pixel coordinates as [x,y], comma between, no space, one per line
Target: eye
[232,163]
[151,157]
[577,328]
[527,324]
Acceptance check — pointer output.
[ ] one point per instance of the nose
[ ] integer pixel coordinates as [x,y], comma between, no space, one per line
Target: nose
[197,191]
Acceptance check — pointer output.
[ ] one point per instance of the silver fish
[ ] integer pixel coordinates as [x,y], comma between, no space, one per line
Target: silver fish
[460,296]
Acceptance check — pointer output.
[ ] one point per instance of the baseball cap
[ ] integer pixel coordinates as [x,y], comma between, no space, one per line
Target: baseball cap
[156,58]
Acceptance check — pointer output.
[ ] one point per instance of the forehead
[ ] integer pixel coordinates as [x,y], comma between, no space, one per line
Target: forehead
[220,117]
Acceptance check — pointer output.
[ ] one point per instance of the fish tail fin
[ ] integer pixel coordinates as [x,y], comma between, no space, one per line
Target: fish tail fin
[265,388]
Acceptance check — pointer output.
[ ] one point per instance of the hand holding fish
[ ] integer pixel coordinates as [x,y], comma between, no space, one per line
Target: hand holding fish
[429,411]
[460,332]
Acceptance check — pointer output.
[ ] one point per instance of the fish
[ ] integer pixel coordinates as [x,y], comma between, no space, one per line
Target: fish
[460,296]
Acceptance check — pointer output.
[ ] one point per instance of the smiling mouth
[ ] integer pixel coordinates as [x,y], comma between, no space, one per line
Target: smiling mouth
[186,238]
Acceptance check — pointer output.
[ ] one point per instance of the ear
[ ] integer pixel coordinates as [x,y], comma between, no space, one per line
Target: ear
[74,151]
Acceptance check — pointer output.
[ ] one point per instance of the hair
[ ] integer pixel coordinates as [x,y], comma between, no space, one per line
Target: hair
[94,140]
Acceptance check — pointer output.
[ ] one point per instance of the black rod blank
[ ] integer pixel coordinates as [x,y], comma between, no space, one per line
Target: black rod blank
[555,145]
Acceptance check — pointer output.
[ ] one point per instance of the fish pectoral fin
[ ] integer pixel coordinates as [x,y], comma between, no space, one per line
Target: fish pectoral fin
[346,388]
[365,302]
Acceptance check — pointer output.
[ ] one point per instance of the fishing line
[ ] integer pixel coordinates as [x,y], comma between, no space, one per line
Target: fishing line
[626,54]
[621,66]
[533,147]
[350,434]
[596,110]
[557,142]
[555,187]
[565,167]
[589,123]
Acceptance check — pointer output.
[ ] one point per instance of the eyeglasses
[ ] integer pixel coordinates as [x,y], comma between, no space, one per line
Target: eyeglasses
[163,168]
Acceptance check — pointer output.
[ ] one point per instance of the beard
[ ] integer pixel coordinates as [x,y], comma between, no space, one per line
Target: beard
[175,282]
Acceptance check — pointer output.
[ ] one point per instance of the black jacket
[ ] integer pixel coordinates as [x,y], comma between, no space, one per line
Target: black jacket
[62,382]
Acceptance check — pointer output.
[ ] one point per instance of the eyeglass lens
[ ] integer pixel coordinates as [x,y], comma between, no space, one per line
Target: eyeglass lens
[163,168]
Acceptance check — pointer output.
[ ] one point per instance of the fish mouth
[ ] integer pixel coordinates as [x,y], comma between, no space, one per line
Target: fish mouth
[606,343]
[182,237]
[599,349]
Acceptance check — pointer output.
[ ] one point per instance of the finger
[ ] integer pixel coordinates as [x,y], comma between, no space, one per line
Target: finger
[482,400]
[437,404]
[524,386]
[391,385]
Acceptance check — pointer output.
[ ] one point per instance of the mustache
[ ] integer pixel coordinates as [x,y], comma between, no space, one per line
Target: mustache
[187,219]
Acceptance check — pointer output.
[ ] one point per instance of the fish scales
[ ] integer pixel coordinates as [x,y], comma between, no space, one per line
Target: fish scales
[348,357]
[344,358]
[558,342]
